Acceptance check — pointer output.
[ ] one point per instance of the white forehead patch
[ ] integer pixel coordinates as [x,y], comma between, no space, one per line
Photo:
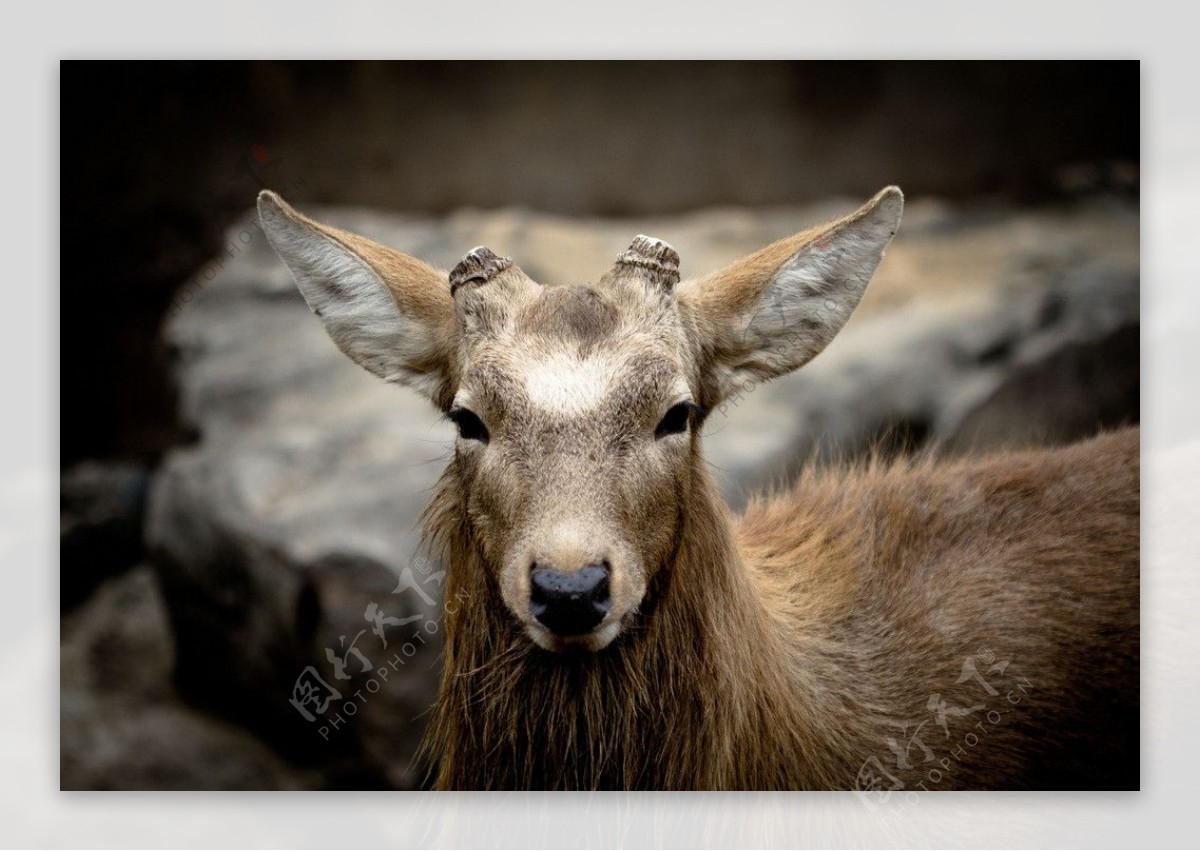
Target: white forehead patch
[567,384]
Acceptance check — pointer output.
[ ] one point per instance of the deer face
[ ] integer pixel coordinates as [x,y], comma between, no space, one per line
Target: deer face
[577,407]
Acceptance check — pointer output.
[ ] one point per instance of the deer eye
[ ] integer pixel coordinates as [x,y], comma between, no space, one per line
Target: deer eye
[675,421]
[470,427]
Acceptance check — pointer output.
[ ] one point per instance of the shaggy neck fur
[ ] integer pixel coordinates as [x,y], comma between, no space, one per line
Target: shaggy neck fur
[693,695]
[786,650]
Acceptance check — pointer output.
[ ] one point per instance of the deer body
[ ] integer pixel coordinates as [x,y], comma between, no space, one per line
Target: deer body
[966,624]
[837,610]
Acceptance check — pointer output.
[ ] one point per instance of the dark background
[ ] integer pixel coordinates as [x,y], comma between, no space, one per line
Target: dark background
[158,158]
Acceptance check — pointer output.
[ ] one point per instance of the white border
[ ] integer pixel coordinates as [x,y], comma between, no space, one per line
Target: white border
[33,812]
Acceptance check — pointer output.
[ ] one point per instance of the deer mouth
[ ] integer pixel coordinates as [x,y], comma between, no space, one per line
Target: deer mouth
[593,641]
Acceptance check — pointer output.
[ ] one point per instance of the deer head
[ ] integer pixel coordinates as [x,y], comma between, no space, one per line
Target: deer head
[579,407]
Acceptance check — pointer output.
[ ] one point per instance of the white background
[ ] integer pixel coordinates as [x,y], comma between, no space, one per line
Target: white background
[33,812]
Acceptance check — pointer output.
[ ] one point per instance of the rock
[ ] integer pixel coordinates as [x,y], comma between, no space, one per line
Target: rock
[122,724]
[295,512]
[296,509]
[1076,387]
[163,747]
[101,509]
[981,330]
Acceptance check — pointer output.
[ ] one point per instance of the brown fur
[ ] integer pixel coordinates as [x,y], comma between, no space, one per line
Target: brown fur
[776,651]
[965,624]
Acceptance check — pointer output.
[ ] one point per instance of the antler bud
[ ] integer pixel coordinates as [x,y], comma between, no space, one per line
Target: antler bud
[653,259]
[478,266]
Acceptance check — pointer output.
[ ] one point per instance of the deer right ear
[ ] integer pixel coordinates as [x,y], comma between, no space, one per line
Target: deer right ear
[389,312]
[773,311]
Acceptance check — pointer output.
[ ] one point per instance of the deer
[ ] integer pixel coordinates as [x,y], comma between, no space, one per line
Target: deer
[906,623]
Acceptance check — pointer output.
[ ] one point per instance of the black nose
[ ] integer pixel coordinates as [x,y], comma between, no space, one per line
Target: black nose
[570,603]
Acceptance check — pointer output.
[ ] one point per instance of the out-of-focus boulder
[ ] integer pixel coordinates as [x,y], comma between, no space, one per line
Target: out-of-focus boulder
[982,330]
[122,725]
[288,531]
[101,510]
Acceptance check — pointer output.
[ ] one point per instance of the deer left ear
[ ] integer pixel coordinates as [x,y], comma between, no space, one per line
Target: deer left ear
[775,310]
[390,313]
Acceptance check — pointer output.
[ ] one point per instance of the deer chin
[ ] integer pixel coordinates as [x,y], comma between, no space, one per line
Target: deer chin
[594,641]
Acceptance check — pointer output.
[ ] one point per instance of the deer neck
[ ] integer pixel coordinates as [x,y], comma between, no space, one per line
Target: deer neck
[685,698]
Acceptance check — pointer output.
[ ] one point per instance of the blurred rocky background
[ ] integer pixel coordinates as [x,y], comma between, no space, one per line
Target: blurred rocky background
[239,501]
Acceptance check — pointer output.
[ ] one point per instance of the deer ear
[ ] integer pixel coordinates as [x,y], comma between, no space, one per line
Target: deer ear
[389,312]
[775,310]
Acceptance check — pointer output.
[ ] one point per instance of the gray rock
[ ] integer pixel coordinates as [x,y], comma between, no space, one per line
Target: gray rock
[980,331]
[101,510]
[297,507]
[122,724]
